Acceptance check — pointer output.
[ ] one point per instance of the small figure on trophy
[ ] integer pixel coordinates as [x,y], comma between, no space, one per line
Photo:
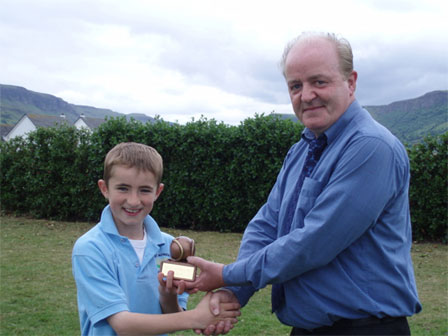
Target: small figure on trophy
[181,248]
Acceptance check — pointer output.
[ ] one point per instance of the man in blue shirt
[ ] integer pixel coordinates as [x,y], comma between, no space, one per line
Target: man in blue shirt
[334,236]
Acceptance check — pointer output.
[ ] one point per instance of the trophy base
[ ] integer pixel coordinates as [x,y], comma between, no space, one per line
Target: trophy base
[182,270]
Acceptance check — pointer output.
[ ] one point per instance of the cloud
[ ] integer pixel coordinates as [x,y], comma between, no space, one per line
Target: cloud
[397,70]
[184,59]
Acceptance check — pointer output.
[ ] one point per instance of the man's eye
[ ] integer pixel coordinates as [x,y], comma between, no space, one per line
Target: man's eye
[146,190]
[296,87]
[320,82]
[122,188]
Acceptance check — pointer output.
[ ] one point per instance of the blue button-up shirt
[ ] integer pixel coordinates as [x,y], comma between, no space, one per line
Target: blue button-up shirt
[348,252]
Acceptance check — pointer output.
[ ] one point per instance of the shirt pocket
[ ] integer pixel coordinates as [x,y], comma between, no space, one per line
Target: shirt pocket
[311,189]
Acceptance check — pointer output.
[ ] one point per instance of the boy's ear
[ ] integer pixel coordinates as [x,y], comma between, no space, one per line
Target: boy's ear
[103,188]
[159,190]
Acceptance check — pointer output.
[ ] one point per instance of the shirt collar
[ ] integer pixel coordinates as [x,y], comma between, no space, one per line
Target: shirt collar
[152,229]
[338,126]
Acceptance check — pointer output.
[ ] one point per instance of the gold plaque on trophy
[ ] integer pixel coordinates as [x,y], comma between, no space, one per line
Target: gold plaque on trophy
[181,248]
[182,270]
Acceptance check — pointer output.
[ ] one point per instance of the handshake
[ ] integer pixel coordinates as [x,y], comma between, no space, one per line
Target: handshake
[179,274]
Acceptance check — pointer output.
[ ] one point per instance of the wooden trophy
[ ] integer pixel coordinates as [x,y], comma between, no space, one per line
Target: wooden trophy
[181,248]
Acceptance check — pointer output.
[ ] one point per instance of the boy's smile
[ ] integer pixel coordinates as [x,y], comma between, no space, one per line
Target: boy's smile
[131,194]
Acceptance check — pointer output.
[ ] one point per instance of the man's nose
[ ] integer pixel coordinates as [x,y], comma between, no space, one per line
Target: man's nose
[308,94]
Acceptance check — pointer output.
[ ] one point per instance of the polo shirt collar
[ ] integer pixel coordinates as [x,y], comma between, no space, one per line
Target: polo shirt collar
[152,229]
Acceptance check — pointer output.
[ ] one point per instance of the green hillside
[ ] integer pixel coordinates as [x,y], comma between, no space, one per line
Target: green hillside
[413,119]
[15,101]
[410,120]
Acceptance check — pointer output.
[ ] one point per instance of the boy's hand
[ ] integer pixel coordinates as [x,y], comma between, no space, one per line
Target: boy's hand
[227,316]
[167,286]
[168,292]
[216,299]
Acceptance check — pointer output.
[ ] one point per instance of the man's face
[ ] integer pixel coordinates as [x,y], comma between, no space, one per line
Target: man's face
[319,93]
[131,194]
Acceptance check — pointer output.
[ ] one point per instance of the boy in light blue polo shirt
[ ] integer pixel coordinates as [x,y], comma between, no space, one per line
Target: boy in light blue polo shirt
[115,264]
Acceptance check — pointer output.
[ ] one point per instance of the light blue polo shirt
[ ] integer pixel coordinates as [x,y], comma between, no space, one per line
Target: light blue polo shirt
[110,278]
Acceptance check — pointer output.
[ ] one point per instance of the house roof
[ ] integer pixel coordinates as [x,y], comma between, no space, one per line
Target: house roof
[5,129]
[42,120]
[93,122]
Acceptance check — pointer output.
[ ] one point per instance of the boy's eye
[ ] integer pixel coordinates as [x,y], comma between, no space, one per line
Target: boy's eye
[122,188]
[146,190]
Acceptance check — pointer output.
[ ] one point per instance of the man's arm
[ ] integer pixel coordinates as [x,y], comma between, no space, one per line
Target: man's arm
[260,232]
[364,180]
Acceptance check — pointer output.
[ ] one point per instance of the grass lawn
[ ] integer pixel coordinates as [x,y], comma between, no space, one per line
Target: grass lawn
[38,294]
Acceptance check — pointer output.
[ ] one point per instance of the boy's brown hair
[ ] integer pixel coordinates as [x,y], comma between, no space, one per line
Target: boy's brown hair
[132,154]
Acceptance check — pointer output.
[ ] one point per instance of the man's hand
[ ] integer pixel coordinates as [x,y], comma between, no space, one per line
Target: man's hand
[210,277]
[222,327]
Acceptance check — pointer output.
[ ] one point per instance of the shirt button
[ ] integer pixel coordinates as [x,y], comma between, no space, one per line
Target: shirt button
[137,265]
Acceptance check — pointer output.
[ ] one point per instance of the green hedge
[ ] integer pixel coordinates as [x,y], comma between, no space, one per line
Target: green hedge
[216,175]
[429,189]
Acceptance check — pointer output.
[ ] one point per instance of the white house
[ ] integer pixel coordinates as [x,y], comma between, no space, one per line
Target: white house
[88,123]
[31,122]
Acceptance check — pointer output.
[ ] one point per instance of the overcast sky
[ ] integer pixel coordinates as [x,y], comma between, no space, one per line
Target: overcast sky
[183,59]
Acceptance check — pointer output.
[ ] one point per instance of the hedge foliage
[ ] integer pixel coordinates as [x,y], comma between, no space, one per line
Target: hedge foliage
[216,176]
[429,188]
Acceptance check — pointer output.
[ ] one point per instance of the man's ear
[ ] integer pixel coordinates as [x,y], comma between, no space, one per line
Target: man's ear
[352,82]
[159,190]
[103,188]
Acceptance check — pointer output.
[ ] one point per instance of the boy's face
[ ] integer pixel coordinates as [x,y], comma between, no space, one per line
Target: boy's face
[131,194]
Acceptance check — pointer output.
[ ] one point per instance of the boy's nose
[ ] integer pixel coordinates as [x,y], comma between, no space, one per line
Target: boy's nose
[133,199]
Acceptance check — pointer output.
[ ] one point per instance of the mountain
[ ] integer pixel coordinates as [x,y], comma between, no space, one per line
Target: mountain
[412,119]
[15,101]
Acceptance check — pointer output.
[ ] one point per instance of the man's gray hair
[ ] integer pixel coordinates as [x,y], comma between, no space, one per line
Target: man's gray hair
[342,45]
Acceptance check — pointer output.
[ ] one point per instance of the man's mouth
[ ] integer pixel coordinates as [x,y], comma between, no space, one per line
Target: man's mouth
[311,108]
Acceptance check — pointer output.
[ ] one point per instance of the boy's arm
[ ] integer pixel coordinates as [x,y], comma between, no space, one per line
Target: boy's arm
[127,323]
[199,318]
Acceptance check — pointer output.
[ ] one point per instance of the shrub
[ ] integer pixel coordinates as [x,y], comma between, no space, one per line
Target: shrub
[216,176]
[428,189]
[44,175]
